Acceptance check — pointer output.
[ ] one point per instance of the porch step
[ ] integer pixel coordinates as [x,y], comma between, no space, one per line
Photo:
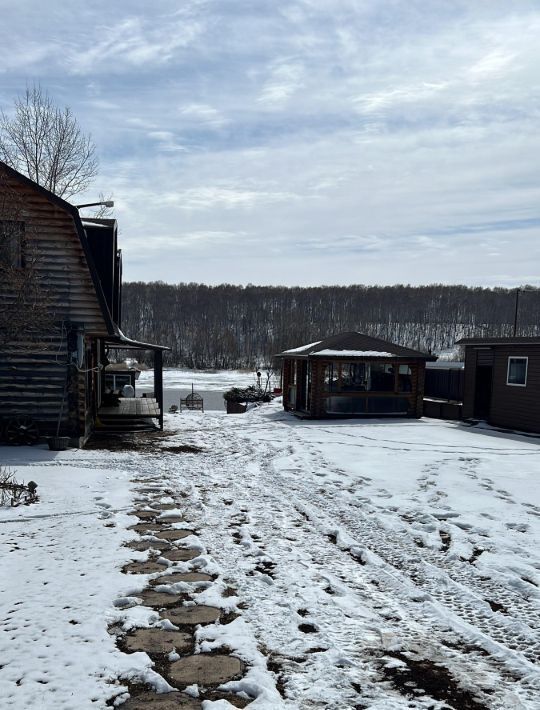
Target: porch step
[124,425]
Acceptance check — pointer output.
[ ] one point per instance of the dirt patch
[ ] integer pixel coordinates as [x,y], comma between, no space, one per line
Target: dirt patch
[495,606]
[182,449]
[434,680]
[266,567]
[144,441]
[275,666]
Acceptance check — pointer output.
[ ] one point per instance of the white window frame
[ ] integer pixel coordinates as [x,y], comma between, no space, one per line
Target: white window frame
[517,357]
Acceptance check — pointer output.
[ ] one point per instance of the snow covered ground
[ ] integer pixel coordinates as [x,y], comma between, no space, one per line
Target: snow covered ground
[59,577]
[380,564]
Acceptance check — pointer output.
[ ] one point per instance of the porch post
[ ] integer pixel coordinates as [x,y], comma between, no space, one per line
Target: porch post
[158,383]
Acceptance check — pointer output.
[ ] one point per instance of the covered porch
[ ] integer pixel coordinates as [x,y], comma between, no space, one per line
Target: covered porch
[132,413]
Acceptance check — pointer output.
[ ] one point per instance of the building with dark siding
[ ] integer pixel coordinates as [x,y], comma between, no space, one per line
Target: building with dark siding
[502,381]
[53,383]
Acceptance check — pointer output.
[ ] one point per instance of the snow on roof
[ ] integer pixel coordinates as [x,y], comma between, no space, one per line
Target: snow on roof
[303,347]
[352,353]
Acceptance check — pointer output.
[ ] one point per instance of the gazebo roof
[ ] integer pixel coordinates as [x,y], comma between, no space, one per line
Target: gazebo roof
[354,345]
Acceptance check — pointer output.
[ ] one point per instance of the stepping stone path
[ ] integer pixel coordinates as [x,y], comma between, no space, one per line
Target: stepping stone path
[146,567]
[160,599]
[145,514]
[158,641]
[142,545]
[145,528]
[192,615]
[167,701]
[181,577]
[173,534]
[207,670]
[166,519]
[184,555]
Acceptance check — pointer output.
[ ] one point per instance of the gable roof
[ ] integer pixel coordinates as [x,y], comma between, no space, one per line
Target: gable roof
[354,345]
[79,229]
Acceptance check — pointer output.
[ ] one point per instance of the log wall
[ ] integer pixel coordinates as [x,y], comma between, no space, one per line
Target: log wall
[35,373]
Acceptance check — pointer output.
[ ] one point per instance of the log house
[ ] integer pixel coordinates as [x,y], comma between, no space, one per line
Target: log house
[54,374]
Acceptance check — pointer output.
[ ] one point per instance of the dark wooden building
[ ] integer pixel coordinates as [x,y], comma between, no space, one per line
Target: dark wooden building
[54,375]
[502,381]
[351,374]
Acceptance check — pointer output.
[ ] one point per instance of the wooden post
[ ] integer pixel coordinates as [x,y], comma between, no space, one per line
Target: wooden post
[286,381]
[419,390]
[158,383]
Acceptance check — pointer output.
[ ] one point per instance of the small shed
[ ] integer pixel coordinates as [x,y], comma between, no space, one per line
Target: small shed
[351,374]
[502,381]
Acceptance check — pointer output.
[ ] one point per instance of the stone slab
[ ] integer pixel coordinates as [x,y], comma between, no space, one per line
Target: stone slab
[181,577]
[183,555]
[142,568]
[165,506]
[143,545]
[145,527]
[173,534]
[155,490]
[158,641]
[205,669]
[171,519]
[144,514]
[159,600]
[198,614]
[163,701]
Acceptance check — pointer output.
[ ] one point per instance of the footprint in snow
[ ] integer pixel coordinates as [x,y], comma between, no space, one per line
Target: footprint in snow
[308,628]
[520,527]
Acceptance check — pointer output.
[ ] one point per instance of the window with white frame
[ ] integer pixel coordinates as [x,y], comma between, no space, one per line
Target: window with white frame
[517,371]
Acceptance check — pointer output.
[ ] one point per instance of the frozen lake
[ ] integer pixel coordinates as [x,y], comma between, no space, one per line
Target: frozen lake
[210,384]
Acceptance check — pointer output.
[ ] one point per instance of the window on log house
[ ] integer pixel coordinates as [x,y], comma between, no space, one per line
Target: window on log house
[11,244]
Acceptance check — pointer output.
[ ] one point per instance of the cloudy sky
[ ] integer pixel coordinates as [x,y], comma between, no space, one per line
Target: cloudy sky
[301,141]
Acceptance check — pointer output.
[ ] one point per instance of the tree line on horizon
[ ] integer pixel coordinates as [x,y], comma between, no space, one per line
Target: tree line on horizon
[227,326]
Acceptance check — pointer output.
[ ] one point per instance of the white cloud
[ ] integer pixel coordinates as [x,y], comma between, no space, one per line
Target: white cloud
[492,65]
[134,41]
[286,78]
[203,114]
[337,133]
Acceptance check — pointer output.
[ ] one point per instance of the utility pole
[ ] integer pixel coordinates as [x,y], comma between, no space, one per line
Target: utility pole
[516,312]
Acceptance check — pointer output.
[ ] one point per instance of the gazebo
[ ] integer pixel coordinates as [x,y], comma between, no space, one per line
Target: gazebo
[351,374]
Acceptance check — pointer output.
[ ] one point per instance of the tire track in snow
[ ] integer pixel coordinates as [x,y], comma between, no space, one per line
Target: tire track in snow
[510,641]
[325,560]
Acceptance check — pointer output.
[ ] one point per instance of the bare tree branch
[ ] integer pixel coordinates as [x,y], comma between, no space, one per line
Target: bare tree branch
[46,143]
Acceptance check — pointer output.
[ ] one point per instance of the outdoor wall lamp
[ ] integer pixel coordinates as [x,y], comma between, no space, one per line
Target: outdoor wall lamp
[107,203]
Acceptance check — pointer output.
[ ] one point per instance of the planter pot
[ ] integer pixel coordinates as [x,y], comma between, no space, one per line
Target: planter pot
[236,408]
[58,443]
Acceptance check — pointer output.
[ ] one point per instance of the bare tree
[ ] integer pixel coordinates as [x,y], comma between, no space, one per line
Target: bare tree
[104,210]
[46,143]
